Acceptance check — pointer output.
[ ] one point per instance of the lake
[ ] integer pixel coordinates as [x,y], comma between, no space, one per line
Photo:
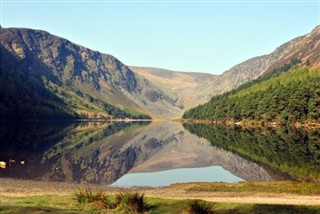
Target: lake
[126,154]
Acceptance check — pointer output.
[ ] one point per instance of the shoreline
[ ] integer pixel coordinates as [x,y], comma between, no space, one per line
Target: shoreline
[307,125]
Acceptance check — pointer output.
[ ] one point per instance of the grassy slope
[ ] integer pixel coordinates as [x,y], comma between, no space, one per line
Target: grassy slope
[85,104]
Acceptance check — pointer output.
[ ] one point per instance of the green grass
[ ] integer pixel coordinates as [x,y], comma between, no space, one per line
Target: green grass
[290,187]
[174,206]
[73,99]
[38,204]
[68,204]
[132,111]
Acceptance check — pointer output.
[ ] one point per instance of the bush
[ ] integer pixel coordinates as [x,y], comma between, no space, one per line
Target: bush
[98,198]
[199,207]
[123,203]
[130,202]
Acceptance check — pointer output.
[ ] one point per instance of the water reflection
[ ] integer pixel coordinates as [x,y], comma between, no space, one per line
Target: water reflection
[288,152]
[101,153]
[181,175]
[59,151]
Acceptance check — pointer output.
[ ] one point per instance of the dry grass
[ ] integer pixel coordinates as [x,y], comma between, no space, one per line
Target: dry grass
[289,187]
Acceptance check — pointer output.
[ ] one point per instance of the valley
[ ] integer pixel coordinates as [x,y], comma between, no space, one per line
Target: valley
[72,117]
[80,83]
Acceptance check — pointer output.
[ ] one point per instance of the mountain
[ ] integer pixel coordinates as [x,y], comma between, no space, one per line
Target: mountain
[81,80]
[23,93]
[305,48]
[178,84]
[286,92]
[45,76]
[289,96]
[193,89]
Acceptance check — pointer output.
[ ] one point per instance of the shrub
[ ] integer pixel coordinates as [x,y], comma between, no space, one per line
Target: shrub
[199,207]
[123,203]
[98,198]
[130,202]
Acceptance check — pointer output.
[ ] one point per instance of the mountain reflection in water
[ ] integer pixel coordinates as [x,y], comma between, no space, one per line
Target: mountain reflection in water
[291,153]
[102,152]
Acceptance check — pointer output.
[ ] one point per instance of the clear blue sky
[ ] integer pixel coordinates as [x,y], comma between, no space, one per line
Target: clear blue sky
[204,36]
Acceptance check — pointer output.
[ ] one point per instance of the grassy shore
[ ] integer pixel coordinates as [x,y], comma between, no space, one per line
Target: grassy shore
[243,197]
[60,204]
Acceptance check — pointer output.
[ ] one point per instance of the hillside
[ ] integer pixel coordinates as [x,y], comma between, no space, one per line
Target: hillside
[306,48]
[44,76]
[23,93]
[83,81]
[277,95]
[193,89]
[283,97]
[178,84]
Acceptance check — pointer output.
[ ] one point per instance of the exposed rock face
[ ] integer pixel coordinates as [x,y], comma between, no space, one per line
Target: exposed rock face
[68,61]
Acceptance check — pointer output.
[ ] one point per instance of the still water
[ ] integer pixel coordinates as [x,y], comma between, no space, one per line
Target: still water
[129,154]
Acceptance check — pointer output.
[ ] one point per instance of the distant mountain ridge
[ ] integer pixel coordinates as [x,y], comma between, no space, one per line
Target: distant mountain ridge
[178,84]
